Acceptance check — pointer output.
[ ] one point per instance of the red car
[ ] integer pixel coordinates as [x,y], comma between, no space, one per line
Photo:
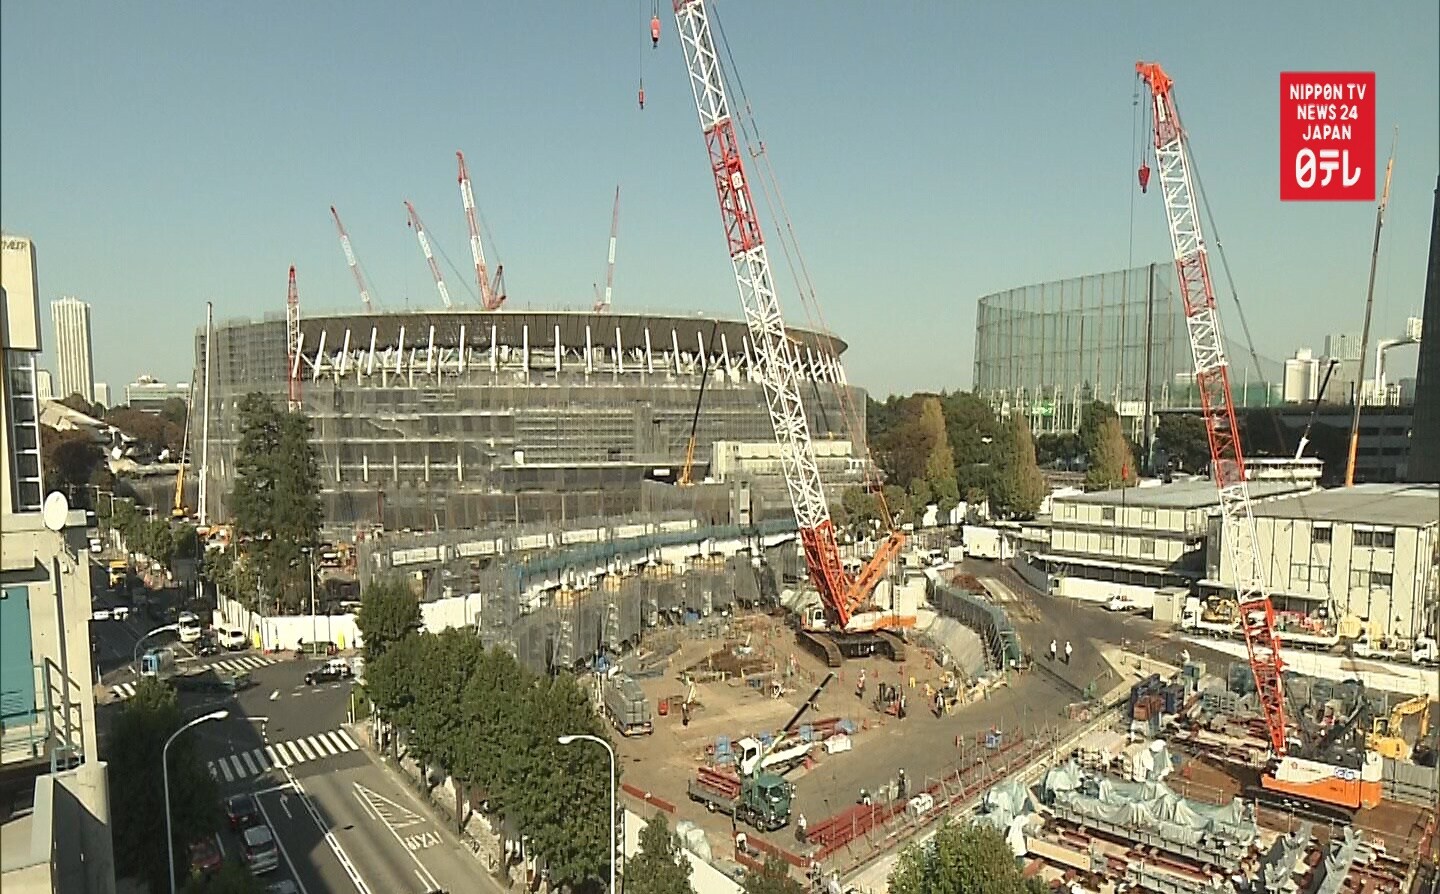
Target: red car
[205,857]
[241,811]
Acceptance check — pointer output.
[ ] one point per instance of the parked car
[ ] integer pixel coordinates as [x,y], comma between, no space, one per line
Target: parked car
[1120,603]
[284,886]
[205,857]
[232,639]
[242,812]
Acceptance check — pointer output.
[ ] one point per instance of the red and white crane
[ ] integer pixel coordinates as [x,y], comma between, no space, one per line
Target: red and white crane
[429,255]
[1307,778]
[350,260]
[602,304]
[292,342]
[492,294]
[847,620]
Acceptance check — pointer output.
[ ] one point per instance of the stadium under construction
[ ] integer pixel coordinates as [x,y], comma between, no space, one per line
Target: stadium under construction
[460,419]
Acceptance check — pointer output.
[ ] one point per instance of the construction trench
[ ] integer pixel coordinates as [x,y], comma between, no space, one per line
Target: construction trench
[1105,791]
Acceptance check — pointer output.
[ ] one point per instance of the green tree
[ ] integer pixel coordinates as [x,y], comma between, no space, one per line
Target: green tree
[391,681]
[1184,440]
[660,867]
[773,878]
[276,497]
[133,748]
[79,404]
[493,703]
[70,460]
[861,507]
[439,731]
[961,858]
[1092,417]
[233,878]
[389,611]
[175,411]
[1019,486]
[1111,462]
[974,436]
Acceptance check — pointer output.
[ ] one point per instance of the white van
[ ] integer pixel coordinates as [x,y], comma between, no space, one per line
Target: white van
[231,639]
[189,624]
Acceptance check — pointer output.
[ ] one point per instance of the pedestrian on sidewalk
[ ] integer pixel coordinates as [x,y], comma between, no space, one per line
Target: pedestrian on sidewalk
[1068,650]
[1052,650]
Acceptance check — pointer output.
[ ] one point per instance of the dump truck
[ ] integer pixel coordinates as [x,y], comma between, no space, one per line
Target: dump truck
[624,703]
[762,800]
[118,574]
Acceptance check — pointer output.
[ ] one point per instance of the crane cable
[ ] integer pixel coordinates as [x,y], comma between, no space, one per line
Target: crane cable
[795,261]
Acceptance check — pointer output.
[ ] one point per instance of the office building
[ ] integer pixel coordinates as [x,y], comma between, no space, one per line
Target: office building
[54,823]
[44,385]
[102,394]
[1343,346]
[1425,453]
[149,394]
[73,356]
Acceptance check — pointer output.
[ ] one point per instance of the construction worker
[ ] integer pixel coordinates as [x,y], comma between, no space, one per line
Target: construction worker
[800,828]
[1184,657]
[902,785]
[740,843]
[1052,650]
[1068,650]
[684,713]
[860,684]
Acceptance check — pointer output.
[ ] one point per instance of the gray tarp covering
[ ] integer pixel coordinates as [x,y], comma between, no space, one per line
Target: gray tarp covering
[1150,806]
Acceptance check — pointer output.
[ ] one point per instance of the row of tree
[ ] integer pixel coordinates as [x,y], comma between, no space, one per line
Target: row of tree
[493,727]
[158,538]
[941,448]
[154,431]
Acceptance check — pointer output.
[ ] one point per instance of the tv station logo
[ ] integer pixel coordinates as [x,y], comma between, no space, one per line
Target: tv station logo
[1327,136]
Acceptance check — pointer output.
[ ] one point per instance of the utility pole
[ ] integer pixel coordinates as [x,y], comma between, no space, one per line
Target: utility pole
[1369,306]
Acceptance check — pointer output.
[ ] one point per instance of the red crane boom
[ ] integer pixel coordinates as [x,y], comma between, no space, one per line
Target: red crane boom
[492,294]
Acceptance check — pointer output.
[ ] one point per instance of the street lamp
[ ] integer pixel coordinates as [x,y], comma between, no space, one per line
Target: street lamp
[135,659]
[566,740]
[165,776]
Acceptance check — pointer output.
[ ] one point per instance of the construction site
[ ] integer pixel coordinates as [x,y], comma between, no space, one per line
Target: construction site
[782,688]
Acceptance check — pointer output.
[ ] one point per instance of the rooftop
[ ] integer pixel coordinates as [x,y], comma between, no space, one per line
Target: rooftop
[1197,493]
[1410,505]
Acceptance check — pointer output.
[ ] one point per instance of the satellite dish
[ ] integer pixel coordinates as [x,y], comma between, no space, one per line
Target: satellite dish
[55,511]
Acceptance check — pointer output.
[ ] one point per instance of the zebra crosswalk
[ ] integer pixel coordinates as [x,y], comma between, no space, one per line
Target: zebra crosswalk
[283,754]
[242,664]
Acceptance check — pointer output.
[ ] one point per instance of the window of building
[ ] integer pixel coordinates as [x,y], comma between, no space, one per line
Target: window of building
[1147,546]
[1381,580]
[1107,514]
[1359,579]
[1364,538]
[1384,539]
[1299,573]
[1147,516]
[1107,543]
[1320,574]
[1320,534]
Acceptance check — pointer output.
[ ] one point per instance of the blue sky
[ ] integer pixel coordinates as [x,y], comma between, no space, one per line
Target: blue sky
[166,153]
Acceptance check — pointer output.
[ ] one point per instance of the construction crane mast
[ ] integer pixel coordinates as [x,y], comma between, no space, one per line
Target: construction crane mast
[350,260]
[419,228]
[843,597]
[292,341]
[603,304]
[492,294]
[1307,778]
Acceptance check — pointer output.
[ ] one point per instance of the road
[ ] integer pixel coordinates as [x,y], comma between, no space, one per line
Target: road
[342,820]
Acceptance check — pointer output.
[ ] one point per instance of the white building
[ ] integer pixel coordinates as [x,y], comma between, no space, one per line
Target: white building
[102,394]
[1343,346]
[149,394]
[1302,378]
[1138,539]
[44,385]
[1365,553]
[73,355]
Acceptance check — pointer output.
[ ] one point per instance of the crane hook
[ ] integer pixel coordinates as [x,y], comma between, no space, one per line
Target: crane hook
[1144,176]
[654,31]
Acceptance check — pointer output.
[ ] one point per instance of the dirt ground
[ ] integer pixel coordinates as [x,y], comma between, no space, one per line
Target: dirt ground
[925,746]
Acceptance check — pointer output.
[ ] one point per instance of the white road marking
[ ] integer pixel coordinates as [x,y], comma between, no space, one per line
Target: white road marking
[282,755]
[281,847]
[383,806]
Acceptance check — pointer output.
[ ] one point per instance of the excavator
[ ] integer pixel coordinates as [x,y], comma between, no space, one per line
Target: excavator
[848,621]
[1387,735]
[1301,766]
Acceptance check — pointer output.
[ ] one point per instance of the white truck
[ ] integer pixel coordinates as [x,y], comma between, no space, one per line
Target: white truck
[1423,651]
[1192,618]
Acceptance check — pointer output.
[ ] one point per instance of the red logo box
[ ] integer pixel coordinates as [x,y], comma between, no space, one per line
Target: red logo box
[1327,136]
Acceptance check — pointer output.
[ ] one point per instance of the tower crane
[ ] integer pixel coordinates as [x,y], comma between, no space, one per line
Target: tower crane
[603,304]
[492,292]
[429,255]
[350,260]
[292,342]
[1289,774]
[847,623]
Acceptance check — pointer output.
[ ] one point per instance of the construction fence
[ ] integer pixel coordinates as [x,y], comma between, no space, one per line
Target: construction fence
[1002,643]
